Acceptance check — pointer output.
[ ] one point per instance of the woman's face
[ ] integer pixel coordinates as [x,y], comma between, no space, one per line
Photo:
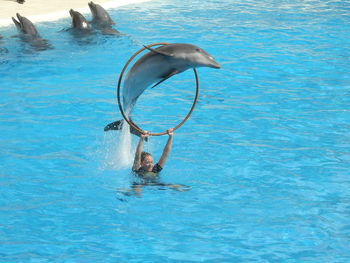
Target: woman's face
[147,163]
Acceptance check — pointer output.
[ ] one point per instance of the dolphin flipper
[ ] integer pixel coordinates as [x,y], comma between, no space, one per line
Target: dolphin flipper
[118,125]
[171,73]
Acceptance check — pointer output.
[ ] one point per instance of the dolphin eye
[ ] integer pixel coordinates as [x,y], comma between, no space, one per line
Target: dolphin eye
[198,50]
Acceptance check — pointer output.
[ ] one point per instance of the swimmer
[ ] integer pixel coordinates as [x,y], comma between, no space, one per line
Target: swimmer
[147,172]
[143,163]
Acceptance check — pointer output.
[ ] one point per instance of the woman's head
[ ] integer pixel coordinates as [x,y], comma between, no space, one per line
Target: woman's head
[147,161]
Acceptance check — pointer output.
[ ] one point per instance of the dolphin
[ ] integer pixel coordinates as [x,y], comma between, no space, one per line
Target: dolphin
[30,34]
[100,15]
[157,66]
[101,19]
[25,26]
[78,20]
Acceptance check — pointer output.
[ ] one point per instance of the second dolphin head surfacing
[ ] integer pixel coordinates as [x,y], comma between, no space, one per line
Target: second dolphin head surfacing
[78,20]
[100,15]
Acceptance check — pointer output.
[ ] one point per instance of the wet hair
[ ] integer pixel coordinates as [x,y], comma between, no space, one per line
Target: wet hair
[144,155]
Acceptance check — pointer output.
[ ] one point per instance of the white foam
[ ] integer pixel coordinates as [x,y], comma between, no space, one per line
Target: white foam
[118,149]
[125,155]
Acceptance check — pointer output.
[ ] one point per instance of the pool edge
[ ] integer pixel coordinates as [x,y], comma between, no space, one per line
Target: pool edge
[58,9]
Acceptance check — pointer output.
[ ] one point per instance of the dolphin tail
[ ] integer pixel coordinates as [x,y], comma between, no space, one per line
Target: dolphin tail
[118,125]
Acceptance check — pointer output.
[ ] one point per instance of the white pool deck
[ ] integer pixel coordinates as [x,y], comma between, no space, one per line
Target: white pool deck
[51,10]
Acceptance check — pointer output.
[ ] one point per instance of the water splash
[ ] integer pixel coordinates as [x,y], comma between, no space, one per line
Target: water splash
[119,153]
[125,153]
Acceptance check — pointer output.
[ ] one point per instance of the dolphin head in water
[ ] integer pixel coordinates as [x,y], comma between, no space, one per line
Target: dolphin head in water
[30,34]
[78,20]
[99,14]
[25,26]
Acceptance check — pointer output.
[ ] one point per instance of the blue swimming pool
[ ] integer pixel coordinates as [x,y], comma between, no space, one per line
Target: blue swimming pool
[266,152]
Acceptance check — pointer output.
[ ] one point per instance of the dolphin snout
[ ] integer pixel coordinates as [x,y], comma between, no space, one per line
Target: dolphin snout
[92,4]
[92,7]
[19,16]
[215,64]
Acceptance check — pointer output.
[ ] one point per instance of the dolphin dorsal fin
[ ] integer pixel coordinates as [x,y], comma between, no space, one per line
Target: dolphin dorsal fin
[159,52]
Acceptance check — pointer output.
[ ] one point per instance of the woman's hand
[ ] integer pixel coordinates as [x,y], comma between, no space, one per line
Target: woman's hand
[144,134]
[170,132]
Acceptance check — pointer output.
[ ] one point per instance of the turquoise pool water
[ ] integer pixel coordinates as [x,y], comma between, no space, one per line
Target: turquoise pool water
[266,152]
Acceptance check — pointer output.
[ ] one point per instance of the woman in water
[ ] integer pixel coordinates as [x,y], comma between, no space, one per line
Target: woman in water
[143,163]
[146,171]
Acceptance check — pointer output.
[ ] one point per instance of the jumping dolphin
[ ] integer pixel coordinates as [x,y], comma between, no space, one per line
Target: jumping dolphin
[155,67]
[101,19]
[79,21]
[25,26]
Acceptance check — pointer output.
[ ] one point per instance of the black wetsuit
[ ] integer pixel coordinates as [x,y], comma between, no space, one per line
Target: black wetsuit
[156,169]
[145,178]
[148,177]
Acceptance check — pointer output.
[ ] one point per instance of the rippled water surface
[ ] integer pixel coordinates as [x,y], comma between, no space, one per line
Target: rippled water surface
[266,153]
